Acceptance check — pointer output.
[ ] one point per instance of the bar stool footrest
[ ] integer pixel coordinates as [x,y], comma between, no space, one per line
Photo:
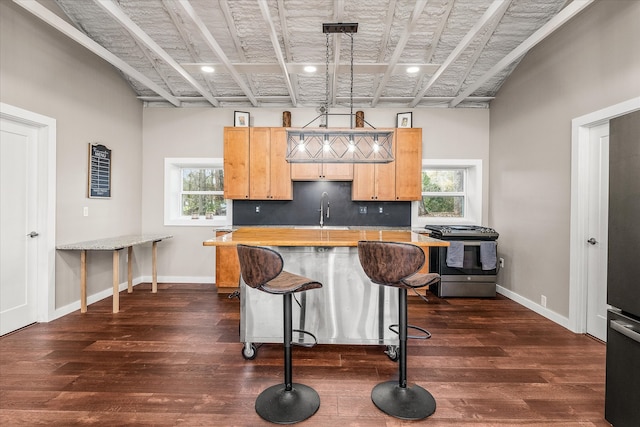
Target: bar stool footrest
[304,344]
[426,334]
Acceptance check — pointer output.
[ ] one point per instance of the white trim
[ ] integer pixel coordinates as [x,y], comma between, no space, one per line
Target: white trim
[46,127]
[107,293]
[473,208]
[543,311]
[579,207]
[172,167]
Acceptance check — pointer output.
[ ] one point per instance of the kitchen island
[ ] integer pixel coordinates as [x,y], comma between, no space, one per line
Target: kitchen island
[348,309]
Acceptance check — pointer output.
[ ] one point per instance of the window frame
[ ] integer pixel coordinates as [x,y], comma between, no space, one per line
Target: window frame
[472,193]
[173,192]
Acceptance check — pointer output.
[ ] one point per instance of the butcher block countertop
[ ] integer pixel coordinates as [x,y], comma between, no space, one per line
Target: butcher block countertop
[261,236]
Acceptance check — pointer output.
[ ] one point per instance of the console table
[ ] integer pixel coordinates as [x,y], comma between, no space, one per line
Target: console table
[115,244]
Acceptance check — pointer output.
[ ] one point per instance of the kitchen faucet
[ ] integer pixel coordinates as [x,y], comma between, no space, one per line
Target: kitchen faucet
[324,193]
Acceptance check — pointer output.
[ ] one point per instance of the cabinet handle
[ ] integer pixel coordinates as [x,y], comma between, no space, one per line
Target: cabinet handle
[625,329]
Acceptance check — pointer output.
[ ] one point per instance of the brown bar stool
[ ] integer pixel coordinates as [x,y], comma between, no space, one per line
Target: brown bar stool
[261,268]
[397,265]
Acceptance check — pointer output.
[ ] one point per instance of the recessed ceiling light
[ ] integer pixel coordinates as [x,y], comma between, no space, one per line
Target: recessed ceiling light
[413,70]
[207,69]
[310,69]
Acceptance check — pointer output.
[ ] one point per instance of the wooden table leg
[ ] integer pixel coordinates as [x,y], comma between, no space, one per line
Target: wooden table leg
[130,270]
[83,281]
[116,280]
[154,266]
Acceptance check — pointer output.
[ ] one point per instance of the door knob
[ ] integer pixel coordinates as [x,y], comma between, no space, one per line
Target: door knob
[592,241]
[32,234]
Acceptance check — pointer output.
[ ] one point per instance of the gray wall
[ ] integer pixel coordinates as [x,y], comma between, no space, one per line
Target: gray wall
[45,72]
[197,132]
[591,63]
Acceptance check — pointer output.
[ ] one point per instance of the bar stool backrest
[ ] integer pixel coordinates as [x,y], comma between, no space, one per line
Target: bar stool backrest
[259,265]
[387,263]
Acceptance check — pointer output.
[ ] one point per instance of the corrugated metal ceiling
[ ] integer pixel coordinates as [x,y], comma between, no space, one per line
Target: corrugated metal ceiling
[465,49]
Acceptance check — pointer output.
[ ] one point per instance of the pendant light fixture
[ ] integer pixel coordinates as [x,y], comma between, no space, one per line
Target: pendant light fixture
[338,145]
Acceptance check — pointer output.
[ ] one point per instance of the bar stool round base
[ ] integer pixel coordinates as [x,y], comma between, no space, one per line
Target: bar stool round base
[280,406]
[410,403]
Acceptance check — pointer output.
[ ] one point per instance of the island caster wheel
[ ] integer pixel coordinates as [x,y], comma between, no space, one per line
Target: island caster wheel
[249,351]
[392,352]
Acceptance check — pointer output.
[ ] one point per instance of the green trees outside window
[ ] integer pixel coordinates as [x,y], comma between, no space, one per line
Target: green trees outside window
[203,192]
[443,193]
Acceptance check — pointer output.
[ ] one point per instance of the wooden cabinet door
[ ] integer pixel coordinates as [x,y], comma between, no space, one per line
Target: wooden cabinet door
[320,171]
[259,163]
[337,171]
[236,163]
[306,171]
[385,181]
[374,181]
[227,268]
[409,164]
[364,182]
[281,186]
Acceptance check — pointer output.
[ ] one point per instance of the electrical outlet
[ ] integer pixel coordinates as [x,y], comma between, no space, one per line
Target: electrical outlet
[363,209]
[85,211]
[501,262]
[380,209]
[257,209]
[543,301]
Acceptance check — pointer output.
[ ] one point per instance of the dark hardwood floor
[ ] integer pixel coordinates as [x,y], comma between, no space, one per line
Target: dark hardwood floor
[173,358]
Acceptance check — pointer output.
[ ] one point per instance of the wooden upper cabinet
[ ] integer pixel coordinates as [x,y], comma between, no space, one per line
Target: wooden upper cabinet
[236,163]
[269,172]
[281,185]
[399,180]
[409,164]
[322,171]
[374,181]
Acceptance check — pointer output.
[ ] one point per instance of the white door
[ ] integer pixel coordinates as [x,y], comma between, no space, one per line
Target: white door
[596,241]
[18,217]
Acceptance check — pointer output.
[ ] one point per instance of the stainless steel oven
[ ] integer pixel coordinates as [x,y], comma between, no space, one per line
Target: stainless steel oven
[470,279]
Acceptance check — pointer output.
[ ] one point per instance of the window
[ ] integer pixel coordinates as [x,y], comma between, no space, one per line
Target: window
[451,193]
[194,192]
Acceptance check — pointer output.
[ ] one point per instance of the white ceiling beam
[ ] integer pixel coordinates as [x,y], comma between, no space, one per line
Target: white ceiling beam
[495,10]
[434,44]
[543,32]
[391,9]
[264,8]
[73,33]
[404,39]
[231,26]
[285,40]
[185,36]
[118,14]
[213,45]
[471,62]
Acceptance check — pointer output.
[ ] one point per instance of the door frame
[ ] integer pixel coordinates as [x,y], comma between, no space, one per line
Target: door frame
[46,199]
[579,207]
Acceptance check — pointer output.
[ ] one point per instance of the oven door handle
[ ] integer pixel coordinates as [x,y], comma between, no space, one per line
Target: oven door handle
[625,329]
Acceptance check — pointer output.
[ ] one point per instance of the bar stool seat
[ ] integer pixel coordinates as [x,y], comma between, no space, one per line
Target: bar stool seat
[397,265]
[262,268]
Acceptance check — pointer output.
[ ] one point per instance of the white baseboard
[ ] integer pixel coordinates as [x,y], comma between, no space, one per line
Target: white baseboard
[180,279]
[543,311]
[106,293]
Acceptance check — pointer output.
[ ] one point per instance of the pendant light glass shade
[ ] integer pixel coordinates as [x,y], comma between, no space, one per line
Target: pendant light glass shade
[358,145]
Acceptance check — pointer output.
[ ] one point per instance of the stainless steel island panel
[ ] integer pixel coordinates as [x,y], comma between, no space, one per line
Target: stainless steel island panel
[348,309]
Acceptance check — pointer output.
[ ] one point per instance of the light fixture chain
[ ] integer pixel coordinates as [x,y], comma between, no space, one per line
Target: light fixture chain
[351,89]
[326,99]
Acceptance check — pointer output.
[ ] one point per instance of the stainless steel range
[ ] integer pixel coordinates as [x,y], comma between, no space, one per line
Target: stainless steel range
[469,266]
